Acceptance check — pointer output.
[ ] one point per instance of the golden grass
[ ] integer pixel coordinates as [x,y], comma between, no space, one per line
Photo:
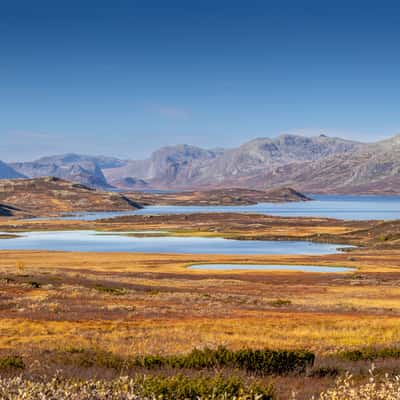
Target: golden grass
[321,333]
[180,309]
[164,307]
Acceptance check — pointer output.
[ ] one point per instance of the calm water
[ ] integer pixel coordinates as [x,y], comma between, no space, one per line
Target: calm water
[341,207]
[92,241]
[270,267]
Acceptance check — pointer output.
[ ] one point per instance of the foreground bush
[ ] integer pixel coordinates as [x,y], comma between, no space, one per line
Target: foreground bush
[370,353]
[140,388]
[262,362]
[11,362]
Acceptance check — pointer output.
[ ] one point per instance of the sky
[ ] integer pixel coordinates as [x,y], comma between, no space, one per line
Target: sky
[123,78]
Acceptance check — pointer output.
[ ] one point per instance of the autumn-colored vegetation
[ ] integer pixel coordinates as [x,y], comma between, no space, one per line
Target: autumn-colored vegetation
[92,315]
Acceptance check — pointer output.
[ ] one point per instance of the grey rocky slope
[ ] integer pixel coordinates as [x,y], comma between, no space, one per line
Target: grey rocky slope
[372,168]
[72,158]
[7,172]
[86,170]
[312,164]
[188,167]
[168,166]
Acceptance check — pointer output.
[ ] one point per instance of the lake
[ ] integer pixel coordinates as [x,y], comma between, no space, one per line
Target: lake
[270,267]
[331,206]
[92,241]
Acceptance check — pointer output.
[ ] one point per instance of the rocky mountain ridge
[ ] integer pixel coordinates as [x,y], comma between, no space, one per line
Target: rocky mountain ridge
[185,167]
[86,170]
[318,164]
[7,172]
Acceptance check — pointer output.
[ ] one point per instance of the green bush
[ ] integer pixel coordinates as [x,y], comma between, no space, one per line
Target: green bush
[10,362]
[279,362]
[370,353]
[323,372]
[280,303]
[92,357]
[183,387]
[177,387]
[262,362]
[110,290]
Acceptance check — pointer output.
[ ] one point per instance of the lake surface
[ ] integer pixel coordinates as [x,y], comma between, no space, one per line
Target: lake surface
[270,267]
[332,206]
[91,241]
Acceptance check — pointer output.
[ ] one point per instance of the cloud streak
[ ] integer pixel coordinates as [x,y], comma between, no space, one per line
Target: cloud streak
[173,112]
[32,135]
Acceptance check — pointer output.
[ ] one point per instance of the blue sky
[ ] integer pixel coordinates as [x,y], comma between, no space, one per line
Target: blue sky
[125,77]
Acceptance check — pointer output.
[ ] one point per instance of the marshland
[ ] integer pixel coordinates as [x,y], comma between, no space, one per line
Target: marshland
[71,305]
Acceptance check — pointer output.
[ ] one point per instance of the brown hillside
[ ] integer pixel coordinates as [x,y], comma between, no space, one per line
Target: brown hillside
[52,196]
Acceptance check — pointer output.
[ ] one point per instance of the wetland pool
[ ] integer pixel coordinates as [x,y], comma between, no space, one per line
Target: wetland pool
[93,241]
[270,267]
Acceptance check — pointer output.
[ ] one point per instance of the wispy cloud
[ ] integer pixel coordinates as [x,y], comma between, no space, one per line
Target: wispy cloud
[32,135]
[168,111]
[174,112]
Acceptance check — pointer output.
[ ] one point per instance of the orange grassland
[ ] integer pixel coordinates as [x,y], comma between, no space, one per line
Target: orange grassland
[135,304]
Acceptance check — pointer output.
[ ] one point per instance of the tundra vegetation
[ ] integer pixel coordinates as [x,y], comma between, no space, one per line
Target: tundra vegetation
[138,326]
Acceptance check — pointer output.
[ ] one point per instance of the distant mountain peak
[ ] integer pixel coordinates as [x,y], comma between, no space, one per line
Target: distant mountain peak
[309,163]
[72,167]
[7,172]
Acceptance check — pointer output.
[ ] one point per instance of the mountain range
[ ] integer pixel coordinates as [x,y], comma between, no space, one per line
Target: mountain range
[319,164]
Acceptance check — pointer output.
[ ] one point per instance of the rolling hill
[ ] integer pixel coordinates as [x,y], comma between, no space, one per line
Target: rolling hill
[53,196]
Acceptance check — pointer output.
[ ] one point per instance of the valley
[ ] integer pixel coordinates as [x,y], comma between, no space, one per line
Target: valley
[199,200]
[86,309]
[89,314]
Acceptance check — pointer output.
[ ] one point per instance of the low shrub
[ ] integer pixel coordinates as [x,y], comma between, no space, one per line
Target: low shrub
[383,238]
[280,303]
[110,290]
[92,357]
[278,362]
[370,353]
[183,387]
[323,372]
[262,362]
[139,388]
[11,362]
